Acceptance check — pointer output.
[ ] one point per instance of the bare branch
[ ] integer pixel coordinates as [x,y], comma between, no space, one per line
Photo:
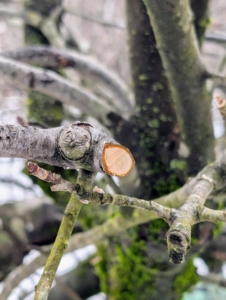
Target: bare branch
[94,20]
[180,221]
[87,67]
[111,227]
[193,211]
[9,12]
[78,145]
[49,83]
[96,197]
[216,36]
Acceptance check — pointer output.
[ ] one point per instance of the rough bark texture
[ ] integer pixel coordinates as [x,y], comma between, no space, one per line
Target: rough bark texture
[78,145]
[154,143]
[177,44]
[154,139]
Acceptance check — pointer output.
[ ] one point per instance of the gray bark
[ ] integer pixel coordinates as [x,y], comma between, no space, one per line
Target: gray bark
[78,145]
[51,84]
[87,67]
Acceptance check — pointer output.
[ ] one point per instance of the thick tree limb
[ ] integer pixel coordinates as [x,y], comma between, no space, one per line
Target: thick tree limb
[177,44]
[49,83]
[78,145]
[87,67]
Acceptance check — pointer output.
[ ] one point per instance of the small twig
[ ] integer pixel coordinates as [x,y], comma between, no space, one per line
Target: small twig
[193,211]
[216,36]
[98,198]
[94,20]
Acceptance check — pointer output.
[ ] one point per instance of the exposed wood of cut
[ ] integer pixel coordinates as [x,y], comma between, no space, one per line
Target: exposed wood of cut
[117,160]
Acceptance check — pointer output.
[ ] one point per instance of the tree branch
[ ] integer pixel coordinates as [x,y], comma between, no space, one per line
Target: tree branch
[78,145]
[193,211]
[49,83]
[87,67]
[97,196]
[181,220]
[61,243]
[111,227]
[216,36]
[94,20]
[177,45]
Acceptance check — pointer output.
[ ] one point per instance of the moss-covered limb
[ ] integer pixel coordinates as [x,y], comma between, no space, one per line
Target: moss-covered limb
[61,243]
[49,83]
[201,18]
[211,215]
[43,17]
[59,246]
[177,44]
[48,26]
[154,123]
[193,211]
[87,67]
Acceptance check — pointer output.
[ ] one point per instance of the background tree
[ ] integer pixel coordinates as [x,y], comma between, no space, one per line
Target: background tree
[166,125]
